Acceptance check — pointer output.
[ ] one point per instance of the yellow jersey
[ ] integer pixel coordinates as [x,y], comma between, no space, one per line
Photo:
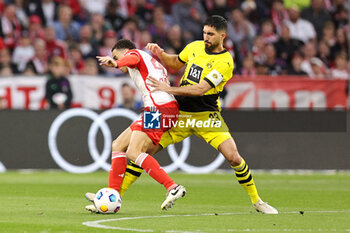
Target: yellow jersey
[202,65]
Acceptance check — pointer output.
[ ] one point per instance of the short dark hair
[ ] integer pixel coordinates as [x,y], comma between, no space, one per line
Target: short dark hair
[124,44]
[126,85]
[216,21]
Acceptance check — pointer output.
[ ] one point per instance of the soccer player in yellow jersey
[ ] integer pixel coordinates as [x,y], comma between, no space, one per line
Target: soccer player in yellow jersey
[208,67]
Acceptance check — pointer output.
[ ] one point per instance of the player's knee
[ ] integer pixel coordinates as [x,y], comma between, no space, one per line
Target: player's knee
[131,154]
[233,158]
[115,146]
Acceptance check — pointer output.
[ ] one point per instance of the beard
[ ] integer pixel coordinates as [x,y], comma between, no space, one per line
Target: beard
[210,46]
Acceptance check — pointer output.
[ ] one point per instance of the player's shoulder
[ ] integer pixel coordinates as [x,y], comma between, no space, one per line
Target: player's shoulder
[140,53]
[135,51]
[225,58]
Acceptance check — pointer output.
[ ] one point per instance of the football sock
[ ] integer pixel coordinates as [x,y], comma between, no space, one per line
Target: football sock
[245,179]
[152,167]
[116,173]
[132,172]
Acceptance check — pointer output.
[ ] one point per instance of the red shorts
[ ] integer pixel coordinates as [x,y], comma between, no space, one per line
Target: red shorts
[168,116]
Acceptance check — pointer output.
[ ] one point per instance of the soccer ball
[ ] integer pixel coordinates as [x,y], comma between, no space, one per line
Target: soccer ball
[107,201]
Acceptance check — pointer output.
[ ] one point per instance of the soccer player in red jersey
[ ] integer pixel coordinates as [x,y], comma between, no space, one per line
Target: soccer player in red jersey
[137,141]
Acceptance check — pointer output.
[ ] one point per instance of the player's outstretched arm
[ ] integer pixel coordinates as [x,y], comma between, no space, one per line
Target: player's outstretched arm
[169,60]
[193,90]
[107,61]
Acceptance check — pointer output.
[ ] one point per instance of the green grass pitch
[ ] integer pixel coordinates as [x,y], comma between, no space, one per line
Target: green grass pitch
[54,202]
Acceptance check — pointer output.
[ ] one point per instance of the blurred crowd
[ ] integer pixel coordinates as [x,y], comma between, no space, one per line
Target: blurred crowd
[265,37]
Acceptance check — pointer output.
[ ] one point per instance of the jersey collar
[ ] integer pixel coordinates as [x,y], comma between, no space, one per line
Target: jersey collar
[212,53]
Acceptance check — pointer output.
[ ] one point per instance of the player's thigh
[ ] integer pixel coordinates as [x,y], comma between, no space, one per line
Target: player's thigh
[121,143]
[215,139]
[174,135]
[214,129]
[139,142]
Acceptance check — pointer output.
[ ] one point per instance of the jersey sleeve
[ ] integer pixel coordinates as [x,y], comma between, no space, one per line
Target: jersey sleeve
[222,72]
[183,56]
[130,59]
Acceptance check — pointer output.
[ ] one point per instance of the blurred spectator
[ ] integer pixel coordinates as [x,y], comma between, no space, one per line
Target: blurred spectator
[341,45]
[128,96]
[74,5]
[58,90]
[300,4]
[317,15]
[341,67]
[2,44]
[258,50]
[144,11]
[268,32]
[46,10]
[241,32]
[340,16]
[274,66]
[39,62]
[218,7]
[174,39]
[21,12]
[124,8]
[23,52]
[286,46]
[10,27]
[7,67]
[94,6]
[300,29]
[318,69]
[91,67]
[261,69]
[328,34]
[339,3]
[146,38]
[76,60]
[5,71]
[150,23]
[250,11]
[189,15]
[229,46]
[2,93]
[131,32]
[112,15]
[54,47]
[248,68]
[87,45]
[279,14]
[324,53]
[35,28]
[263,11]
[99,27]
[28,70]
[109,40]
[309,51]
[295,66]
[167,4]
[2,6]
[66,29]
[68,68]
[159,27]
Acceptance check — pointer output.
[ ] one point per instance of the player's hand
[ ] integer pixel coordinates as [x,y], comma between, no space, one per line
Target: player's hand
[155,49]
[107,61]
[157,85]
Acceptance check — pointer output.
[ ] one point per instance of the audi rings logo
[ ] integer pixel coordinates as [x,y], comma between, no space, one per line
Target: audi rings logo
[100,159]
